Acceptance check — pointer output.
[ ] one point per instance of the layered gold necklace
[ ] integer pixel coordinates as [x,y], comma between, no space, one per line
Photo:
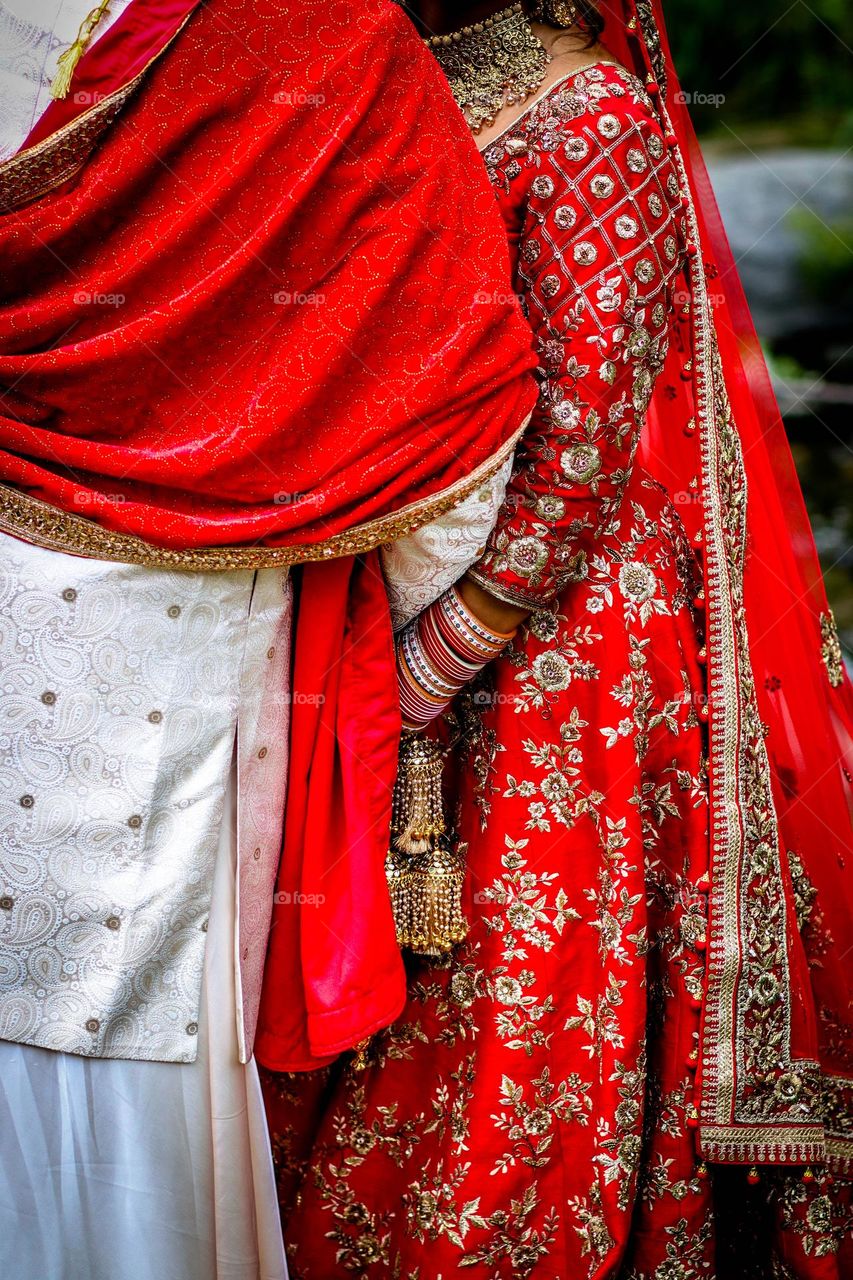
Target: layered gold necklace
[492,64]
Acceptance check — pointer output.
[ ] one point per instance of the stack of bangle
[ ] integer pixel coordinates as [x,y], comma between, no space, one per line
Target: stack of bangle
[438,653]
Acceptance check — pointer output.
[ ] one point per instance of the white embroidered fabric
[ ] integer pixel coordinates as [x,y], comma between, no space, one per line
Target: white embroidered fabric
[122,689]
[33,33]
[420,568]
[144,1170]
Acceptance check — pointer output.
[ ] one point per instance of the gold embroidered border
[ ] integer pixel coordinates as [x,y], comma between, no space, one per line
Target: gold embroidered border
[724,732]
[742,1119]
[750,1112]
[763,1144]
[28,175]
[745,848]
[830,650]
[32,520]
[651,39]
[837,1109]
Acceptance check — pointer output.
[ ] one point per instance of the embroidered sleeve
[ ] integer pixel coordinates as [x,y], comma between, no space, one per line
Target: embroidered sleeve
[420,567]
[600,248]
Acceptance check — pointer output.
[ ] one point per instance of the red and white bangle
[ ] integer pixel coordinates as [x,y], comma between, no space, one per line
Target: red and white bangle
[438,653]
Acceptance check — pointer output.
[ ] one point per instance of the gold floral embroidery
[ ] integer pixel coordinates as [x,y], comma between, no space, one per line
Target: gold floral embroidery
[804,891]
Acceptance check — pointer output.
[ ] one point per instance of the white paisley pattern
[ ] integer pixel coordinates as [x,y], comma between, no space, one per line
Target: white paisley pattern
[420,568]
[118,709]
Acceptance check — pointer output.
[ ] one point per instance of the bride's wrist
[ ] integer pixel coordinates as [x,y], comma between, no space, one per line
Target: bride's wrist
[488,609]
[439,652]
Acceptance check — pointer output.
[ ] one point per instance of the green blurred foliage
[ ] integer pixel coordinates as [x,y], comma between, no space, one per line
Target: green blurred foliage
[786,73]
[826,258]
[773,62]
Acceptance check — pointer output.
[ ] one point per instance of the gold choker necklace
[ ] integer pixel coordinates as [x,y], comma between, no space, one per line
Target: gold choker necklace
[492,64]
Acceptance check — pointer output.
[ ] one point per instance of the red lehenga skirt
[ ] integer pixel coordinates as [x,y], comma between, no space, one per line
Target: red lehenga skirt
[532,1113]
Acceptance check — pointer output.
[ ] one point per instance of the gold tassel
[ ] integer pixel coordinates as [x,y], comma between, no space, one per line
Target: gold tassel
[68,60]
[425,869]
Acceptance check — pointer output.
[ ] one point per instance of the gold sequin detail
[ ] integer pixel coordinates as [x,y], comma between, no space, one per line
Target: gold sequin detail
[830,649]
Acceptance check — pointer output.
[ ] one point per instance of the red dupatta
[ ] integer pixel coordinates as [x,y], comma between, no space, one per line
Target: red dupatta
[776,1069]
[255,232]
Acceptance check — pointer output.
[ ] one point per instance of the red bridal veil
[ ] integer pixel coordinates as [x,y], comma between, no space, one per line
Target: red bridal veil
[776,1064]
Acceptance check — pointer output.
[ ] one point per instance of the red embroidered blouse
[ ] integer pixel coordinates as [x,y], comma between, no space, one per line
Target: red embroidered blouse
[596,214]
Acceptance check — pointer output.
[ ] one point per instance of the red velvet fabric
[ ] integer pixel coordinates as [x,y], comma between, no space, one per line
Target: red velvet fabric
[332,918]
[265,241]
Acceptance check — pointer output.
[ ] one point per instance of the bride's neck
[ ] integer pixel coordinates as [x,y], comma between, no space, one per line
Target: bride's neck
[439,17]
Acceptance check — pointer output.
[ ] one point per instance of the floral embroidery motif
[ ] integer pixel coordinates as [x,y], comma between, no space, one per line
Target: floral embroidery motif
[602,332]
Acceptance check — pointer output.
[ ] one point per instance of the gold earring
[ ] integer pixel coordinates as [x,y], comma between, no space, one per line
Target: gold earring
[559,13]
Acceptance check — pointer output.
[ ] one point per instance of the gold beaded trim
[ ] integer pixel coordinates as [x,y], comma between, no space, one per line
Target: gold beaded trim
[830,650]
[37,522]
